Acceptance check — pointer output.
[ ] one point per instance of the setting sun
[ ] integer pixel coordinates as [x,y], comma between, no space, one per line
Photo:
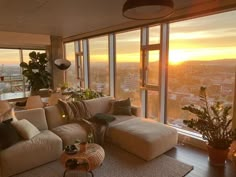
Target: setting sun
[177,57]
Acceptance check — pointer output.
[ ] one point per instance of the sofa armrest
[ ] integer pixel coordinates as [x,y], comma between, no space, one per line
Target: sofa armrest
[135,110]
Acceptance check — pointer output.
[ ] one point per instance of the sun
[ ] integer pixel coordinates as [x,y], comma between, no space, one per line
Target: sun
[177,57]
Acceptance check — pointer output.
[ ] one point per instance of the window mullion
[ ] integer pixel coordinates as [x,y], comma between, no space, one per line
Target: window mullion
[164,71]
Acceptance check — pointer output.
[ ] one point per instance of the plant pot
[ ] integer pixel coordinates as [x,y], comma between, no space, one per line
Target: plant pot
[217,157]
[2,78]
[83,146]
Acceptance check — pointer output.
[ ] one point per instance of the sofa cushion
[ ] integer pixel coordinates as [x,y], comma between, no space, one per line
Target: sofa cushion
[98,105]
[25,129]
[34,116]
[69,133]
[8,134]
[27,154]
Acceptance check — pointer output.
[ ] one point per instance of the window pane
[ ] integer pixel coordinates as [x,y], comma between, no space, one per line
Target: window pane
[154,35]
[202,53]
[99,64]
[153,68]
[127,66]
[26,57]
[71,75]
[10,71]
[153,105]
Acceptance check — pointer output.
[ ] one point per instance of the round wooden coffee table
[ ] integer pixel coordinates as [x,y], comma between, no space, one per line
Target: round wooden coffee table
[84,161]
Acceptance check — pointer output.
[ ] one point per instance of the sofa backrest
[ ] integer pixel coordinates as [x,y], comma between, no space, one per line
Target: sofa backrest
[34,116]
[54,116]
[99,105]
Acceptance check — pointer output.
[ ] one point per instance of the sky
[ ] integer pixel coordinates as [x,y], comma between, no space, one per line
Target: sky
[205,38]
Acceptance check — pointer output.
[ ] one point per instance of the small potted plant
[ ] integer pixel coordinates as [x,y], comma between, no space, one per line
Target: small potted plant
[214,122]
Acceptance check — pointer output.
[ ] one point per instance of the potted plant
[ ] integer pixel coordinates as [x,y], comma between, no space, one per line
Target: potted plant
[35,71]
[85,94]
[214,122]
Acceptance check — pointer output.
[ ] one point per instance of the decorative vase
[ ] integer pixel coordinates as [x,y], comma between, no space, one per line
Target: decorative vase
[217,157]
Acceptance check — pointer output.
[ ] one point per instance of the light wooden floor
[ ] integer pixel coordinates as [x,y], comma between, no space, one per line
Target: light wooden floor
[199,159]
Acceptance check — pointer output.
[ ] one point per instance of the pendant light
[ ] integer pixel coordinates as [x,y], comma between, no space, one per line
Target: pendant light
[147,9]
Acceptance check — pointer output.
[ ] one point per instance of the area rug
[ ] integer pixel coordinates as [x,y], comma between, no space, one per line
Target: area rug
[119,163]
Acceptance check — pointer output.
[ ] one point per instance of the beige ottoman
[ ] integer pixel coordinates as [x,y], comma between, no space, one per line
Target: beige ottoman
[145,138]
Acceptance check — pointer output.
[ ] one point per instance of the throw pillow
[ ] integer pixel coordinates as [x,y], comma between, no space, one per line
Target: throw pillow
[66,109]
[8,134]
[73,110]
[103,118]
[122,107]
[26,129]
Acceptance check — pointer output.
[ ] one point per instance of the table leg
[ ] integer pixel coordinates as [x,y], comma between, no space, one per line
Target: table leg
[91,173]
[64,174]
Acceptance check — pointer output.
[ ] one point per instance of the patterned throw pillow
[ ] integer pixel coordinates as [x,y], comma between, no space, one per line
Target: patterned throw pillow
[67,112]
[73,110]
[122,107]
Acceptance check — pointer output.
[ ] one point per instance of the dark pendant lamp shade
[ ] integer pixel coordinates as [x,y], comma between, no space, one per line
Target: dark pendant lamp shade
[62,64]
[147,9]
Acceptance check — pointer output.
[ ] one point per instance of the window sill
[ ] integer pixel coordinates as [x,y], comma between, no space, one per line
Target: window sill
[191,138]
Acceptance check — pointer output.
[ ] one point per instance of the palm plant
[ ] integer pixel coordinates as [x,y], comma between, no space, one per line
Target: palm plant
[212,121]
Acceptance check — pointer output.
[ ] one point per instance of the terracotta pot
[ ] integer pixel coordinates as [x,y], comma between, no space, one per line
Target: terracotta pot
[83,146]
[217,156]
[2,78]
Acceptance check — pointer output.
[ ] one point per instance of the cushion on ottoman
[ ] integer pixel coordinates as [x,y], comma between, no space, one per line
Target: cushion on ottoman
[145,138]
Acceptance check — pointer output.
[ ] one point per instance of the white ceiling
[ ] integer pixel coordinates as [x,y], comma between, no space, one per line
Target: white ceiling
[81,18]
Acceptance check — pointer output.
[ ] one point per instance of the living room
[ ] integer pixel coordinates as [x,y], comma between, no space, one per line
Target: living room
[127,58]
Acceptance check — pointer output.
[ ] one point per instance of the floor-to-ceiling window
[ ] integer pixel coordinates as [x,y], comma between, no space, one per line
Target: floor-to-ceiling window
[127,66]
[12,83]
[71,73]
[10,71]
[99,64]
[202,53]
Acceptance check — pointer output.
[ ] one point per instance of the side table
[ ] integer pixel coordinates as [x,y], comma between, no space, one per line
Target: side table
[86,161]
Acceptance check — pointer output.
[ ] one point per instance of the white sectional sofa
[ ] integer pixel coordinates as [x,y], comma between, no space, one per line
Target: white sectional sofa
[130,132]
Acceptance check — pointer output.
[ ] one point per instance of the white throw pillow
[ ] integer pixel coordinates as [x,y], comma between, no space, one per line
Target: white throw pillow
[26,129]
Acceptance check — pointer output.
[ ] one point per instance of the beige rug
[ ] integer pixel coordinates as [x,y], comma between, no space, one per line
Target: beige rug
[119,163]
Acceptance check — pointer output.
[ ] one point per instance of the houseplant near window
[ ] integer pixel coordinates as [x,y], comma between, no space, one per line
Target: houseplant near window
[35,71]
[214,122]
[84,94]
